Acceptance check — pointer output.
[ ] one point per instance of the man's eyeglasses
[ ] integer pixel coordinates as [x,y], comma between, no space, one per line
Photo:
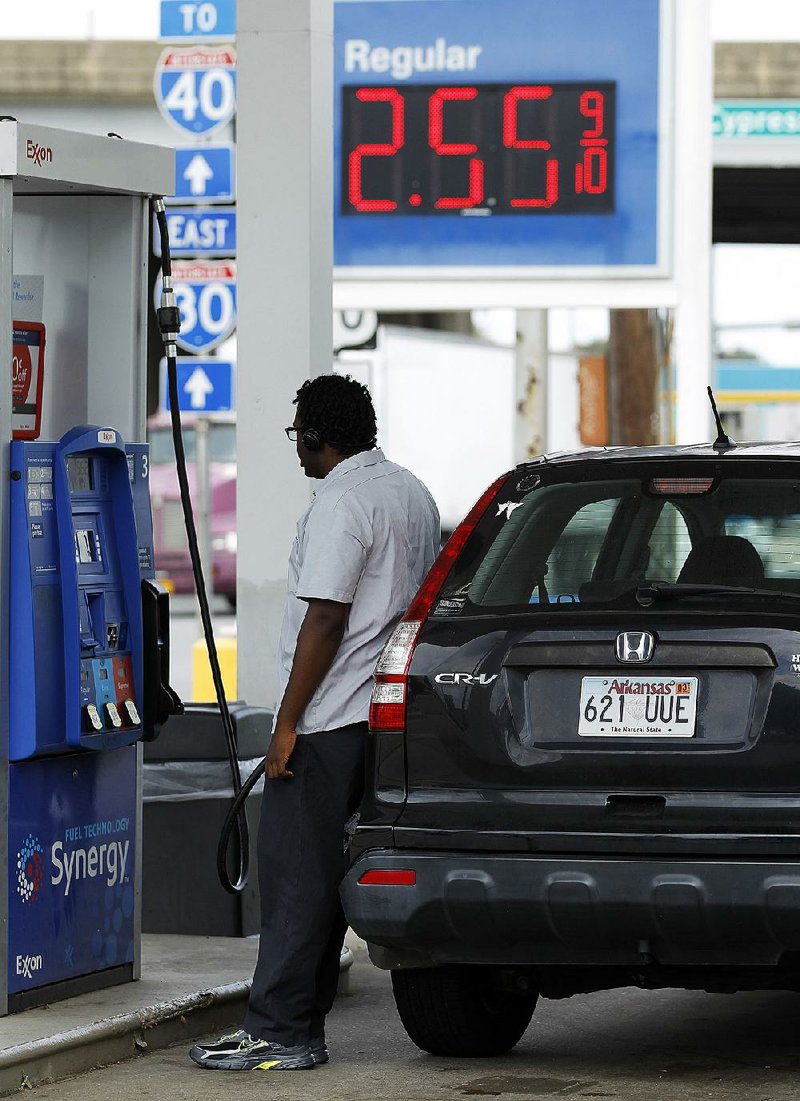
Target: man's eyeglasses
[291,433]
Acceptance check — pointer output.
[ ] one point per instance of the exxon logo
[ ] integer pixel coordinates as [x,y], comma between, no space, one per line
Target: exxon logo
[27,966]
[39,154]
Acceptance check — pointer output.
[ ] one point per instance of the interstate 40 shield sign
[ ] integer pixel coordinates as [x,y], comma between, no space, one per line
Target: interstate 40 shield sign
[195,87]
[205,291]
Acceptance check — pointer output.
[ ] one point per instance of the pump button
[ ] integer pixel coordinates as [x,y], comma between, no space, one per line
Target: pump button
[92,715]
[130,713]
[113,715]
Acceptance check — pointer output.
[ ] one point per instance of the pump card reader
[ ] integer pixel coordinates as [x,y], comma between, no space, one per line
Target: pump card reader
[82,543]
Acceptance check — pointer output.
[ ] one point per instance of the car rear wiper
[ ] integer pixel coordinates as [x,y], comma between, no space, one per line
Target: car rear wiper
[676,590]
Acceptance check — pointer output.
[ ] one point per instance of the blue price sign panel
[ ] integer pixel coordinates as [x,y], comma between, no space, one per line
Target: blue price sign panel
[510,135]
[195,89]
[205,173]
[72,862]
[195,232]
[198,20]
[204,385]
[206,295]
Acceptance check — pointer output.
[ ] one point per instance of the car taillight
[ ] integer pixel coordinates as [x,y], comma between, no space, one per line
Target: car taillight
[389,877]
[387,709]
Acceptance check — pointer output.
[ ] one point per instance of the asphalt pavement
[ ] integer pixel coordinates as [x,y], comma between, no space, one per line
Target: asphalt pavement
[628,1045]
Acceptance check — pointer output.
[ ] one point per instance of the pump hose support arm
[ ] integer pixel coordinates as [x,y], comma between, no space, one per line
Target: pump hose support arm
[169,320]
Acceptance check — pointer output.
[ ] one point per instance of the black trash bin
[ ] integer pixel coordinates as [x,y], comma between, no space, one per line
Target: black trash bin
[187,793]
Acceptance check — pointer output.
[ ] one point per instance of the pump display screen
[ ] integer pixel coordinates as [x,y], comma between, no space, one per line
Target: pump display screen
[79,473]
[479,149]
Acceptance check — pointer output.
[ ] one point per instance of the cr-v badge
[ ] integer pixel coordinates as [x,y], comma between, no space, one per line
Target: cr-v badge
[635,646]
[466,678]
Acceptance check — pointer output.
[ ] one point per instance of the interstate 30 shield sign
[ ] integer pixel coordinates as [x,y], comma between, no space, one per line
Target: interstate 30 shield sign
[205,291]
[195,88]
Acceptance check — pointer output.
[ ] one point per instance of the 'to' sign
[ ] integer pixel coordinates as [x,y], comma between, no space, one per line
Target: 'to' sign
[195,89]
[206,295]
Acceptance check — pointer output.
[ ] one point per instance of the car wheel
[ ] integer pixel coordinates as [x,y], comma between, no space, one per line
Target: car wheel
[462,1011]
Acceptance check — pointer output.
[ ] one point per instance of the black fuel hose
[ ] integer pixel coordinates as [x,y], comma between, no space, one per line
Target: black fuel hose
[169,323]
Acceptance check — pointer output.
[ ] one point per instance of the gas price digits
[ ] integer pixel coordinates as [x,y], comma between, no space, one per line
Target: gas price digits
[480,149]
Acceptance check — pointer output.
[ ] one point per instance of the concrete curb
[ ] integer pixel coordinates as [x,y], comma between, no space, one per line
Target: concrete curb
[117,1038]
[113,1039]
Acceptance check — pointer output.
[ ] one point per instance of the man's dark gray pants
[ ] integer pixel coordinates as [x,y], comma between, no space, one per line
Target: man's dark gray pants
[301,862]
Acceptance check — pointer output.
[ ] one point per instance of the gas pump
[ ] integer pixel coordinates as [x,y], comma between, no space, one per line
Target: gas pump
[84,637]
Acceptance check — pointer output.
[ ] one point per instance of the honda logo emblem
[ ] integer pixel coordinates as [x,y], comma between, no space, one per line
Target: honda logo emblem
[635,646]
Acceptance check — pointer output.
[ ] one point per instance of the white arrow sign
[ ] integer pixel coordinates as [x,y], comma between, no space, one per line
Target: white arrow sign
[198,172]
[198,386]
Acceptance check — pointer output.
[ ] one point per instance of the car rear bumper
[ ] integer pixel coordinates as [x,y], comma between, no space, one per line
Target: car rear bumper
[516,909]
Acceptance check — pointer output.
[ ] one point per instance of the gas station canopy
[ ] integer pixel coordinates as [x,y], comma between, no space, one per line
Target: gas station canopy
[43,160]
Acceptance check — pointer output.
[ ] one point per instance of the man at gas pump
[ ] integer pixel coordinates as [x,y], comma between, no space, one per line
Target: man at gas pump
[362,550]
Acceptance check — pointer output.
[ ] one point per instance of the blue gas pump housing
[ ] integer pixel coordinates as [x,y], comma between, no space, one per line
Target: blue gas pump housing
[81,544]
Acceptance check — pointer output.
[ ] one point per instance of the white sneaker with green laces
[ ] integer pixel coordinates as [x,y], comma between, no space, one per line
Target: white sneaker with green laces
[241,1051]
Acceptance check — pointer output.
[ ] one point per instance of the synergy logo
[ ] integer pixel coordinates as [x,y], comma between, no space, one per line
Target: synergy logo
[30,869]
[70,866]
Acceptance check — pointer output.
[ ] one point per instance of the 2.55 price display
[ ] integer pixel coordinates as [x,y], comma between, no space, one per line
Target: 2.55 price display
[479,149]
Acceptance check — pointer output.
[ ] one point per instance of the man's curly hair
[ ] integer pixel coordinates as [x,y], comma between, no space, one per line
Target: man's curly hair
[341,410]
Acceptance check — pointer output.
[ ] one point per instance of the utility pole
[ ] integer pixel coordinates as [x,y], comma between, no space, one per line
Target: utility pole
[633,379]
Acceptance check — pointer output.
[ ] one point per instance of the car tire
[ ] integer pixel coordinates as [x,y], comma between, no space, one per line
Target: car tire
[462,1011]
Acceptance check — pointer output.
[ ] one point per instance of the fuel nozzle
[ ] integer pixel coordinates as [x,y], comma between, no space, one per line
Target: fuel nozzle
[168,313]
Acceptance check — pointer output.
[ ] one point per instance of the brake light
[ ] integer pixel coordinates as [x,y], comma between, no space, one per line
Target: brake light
[389,877]
[387,710]
[681,485]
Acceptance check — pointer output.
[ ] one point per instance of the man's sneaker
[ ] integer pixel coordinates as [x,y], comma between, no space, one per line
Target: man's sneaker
[319,1049]
[241,1051]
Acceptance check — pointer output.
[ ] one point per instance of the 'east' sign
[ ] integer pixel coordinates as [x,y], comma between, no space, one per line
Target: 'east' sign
[194,232]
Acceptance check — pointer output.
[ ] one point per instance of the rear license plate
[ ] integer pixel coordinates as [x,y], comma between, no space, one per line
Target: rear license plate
[637,707]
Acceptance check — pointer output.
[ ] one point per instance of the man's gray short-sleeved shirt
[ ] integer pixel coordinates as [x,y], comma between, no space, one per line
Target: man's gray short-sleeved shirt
[368,538]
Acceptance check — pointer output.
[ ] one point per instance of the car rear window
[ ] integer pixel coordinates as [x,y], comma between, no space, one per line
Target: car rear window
[597,541]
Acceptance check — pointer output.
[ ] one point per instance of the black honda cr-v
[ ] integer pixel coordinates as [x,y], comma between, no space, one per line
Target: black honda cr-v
[585,752]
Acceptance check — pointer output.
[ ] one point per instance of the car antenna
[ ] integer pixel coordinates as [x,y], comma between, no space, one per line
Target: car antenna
[723,442]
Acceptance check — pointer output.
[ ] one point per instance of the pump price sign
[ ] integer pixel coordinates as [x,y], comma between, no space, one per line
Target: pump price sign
[195,88]
[429,165]
[503,137]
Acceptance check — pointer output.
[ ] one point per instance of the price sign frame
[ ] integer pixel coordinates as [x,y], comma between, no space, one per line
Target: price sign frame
[396,52]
